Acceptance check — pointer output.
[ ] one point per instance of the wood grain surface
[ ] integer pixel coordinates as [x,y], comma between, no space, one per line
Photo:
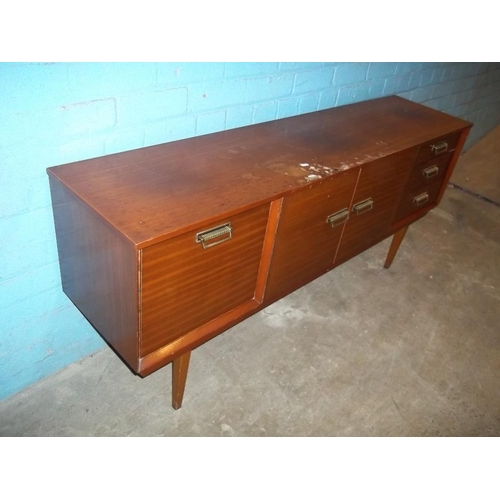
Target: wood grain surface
[153,193]
[184,285]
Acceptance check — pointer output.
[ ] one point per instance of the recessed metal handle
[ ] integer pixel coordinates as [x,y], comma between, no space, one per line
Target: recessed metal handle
[338,217]
[440,147]
[421,199]
[210,234]
[430,171]
[363,206]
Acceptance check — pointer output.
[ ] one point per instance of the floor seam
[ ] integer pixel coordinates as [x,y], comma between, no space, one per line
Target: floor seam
[472,193]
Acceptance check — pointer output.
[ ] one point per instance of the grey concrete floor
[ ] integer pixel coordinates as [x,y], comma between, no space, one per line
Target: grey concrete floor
[362,351]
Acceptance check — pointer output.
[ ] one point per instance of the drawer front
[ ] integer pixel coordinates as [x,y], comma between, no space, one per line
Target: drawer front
[198,276]
[429,172]
[437,147]
[309,230]
[377,194]
[418,198]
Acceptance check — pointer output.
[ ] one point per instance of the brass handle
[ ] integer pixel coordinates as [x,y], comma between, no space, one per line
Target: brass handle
[421,199]
[440,147]
[430,171]
[210,234]
[338,217]
[363,206]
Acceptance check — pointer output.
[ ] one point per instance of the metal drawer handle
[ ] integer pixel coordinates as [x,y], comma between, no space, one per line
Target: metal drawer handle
[421,199]
[440,147]
[338,217]
[430,171]
[210,234]
[363,206]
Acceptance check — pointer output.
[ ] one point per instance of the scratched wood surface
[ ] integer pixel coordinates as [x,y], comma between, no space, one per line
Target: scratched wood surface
[152,193]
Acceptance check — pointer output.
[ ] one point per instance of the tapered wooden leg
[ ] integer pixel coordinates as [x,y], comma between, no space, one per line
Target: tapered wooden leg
[396,242]
[180,367]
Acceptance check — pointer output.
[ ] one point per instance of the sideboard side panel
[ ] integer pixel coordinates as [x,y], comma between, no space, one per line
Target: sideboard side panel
[98,271]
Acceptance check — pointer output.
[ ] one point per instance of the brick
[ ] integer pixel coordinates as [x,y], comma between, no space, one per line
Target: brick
[459,110]
[361,92]
[436,75]
[311,81]
[441,89]
[211,122]
[407,67]
[348,73]
[124,139]
[421,95]
[181,74]
[470,70]
[90,116]
[102,80]
[288,107]
[309,103]
[35,126]
[297,66]
[173,129]
[265,111]
[180,128]
[239,69]
[442,103]
[494,76]
[208,96]
[45,348]
[26,258]
[381,70]
[425,77]
[480,67]
[24,310]
[348,95]
[31,227]
[269,88]
[33,86]
[23,179]
[405,95]
[29,284]
[91,146]
[426,65]
[397,84]
[328,99]
[239,117]
[468,83]
[458,71]
[463,97]
[150,107]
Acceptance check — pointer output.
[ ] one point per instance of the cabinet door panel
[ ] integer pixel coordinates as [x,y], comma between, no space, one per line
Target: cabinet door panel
[186,283]
[380,185]
[305,242]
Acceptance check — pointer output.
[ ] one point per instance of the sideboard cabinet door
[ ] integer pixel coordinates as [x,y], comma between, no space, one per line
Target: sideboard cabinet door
[308,234]
[375,200]
[194,278]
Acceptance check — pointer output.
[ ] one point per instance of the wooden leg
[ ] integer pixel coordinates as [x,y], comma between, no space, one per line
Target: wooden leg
[180,367]
[396,242]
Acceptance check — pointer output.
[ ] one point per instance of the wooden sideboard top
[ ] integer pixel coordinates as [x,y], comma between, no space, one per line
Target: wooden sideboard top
[156,192]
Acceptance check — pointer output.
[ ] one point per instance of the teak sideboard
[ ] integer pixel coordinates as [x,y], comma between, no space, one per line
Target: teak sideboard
[164,247]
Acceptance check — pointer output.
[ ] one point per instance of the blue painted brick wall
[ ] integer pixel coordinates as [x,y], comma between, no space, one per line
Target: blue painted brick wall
[56,113]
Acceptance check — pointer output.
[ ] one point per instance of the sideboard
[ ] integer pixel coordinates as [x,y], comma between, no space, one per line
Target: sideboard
[164,247]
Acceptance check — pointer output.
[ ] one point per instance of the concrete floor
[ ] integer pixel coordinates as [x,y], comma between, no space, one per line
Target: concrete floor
[362,351]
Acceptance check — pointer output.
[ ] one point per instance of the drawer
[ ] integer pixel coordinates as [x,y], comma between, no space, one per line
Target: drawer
[437,147]
[417,198]
[425,174]
[194,278]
